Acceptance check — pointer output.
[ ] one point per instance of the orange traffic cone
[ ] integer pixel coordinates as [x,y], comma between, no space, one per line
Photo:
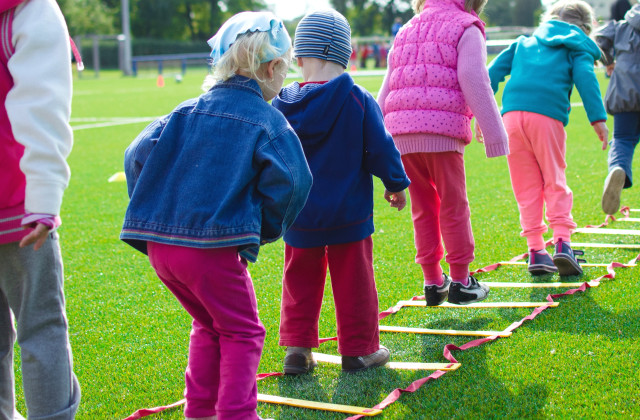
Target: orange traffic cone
[160,81]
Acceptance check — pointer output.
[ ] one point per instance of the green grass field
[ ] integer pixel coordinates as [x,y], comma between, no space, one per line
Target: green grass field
[129,335]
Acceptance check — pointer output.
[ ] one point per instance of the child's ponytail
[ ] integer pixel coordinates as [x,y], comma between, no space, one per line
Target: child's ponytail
[575,12]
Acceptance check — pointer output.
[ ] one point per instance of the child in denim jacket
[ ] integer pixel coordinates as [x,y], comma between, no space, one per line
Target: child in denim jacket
[343,136]
[209,183]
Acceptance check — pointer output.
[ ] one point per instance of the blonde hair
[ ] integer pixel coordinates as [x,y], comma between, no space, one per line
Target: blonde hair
[475,5]
[575,12]
[245,55]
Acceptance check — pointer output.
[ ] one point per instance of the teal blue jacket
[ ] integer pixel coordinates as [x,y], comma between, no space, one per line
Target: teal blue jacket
[544,67]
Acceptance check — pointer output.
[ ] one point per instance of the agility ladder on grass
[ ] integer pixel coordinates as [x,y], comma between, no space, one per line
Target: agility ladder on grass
[488,336]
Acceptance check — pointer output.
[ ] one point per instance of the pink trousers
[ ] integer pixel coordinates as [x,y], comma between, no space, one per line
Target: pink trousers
[354,294]
[213,285]
[537,166]
[440,212]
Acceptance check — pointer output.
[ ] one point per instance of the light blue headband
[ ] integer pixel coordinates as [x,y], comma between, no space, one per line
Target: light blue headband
[250,22]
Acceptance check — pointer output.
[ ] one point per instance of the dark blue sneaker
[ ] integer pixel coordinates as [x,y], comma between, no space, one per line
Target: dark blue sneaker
[540,263]
[436,295]
[565,259]
[472,292]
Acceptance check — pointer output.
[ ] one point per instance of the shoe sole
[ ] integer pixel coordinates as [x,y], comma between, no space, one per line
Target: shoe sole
[613,186]
[297,370]
[375,365]
[567,266]
[439,300]
[466,302]
[539,269]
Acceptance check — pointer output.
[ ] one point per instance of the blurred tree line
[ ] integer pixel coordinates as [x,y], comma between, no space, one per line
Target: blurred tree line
[199,19]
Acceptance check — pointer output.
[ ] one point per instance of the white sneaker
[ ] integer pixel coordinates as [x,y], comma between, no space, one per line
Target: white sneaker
[613,186]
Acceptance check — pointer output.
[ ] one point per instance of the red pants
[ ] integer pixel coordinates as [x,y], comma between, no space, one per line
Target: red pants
[537,167]
[440,212]
[227,337]
[354,294]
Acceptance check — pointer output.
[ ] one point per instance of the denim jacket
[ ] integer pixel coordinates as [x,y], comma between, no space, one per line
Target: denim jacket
[224,169]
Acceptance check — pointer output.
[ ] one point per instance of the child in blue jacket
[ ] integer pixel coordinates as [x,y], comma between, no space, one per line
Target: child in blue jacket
[544,68]
[209,183]
[345,142]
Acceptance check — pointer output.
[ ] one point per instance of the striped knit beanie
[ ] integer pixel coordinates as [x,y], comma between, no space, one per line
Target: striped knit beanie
[325,35]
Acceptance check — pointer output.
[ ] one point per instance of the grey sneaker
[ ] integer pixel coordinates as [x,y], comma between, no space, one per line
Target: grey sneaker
[436,295]
[613,186]
[540,262]
[463,295]
[357,363]
[299,360]
[566,261]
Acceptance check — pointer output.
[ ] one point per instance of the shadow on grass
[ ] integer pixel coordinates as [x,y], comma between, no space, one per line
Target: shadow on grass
[581,314]
[477,387]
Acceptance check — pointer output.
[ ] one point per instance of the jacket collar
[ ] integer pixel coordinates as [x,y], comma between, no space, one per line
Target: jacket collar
[241,83]
[8,4]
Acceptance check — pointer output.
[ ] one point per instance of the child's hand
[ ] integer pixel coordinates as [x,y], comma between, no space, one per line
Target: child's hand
[603,133]
[38,235]
[610,68]
[397,199]
[479,135]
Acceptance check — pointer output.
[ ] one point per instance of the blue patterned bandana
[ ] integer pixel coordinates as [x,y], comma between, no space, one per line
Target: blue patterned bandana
[250,22]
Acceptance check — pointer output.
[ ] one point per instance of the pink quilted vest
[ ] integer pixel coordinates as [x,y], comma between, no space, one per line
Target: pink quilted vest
[424,94]
[12,180]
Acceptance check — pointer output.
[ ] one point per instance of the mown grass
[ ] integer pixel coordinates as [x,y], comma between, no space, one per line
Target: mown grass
[129,335]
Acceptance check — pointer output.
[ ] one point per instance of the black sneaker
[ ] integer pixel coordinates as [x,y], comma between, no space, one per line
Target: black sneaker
[436,295]
[473,292]
[613,186]
[357,363]
[299,360]
[540,262]
[565,259]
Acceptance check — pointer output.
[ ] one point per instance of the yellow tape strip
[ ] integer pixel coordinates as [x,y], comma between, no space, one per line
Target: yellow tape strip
[581,264]
[411,330]
[605,231]
[336,360]
[118,177]
[497,284]
[597,245]
[316,405]
[482,304]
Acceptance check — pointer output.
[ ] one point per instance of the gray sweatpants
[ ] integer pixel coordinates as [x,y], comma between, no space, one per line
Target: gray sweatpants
[31,287]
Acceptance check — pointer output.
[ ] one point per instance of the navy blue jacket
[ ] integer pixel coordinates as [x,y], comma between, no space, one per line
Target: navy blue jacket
[344,139]
[224,169]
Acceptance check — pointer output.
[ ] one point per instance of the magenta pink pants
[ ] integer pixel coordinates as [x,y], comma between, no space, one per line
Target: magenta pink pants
[537,166]
[440,212]
[227,336]
[354,294]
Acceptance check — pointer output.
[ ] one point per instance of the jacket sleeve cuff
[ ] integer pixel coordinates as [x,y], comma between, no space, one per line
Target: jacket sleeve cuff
[599,121]
[497,149]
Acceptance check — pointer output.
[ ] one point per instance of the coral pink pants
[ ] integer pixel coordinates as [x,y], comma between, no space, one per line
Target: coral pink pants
[354,294]
[537,145]
[440,212]
[227,336]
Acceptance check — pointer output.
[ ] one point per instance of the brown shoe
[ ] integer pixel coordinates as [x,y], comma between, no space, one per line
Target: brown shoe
[358,363]
[298,360]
